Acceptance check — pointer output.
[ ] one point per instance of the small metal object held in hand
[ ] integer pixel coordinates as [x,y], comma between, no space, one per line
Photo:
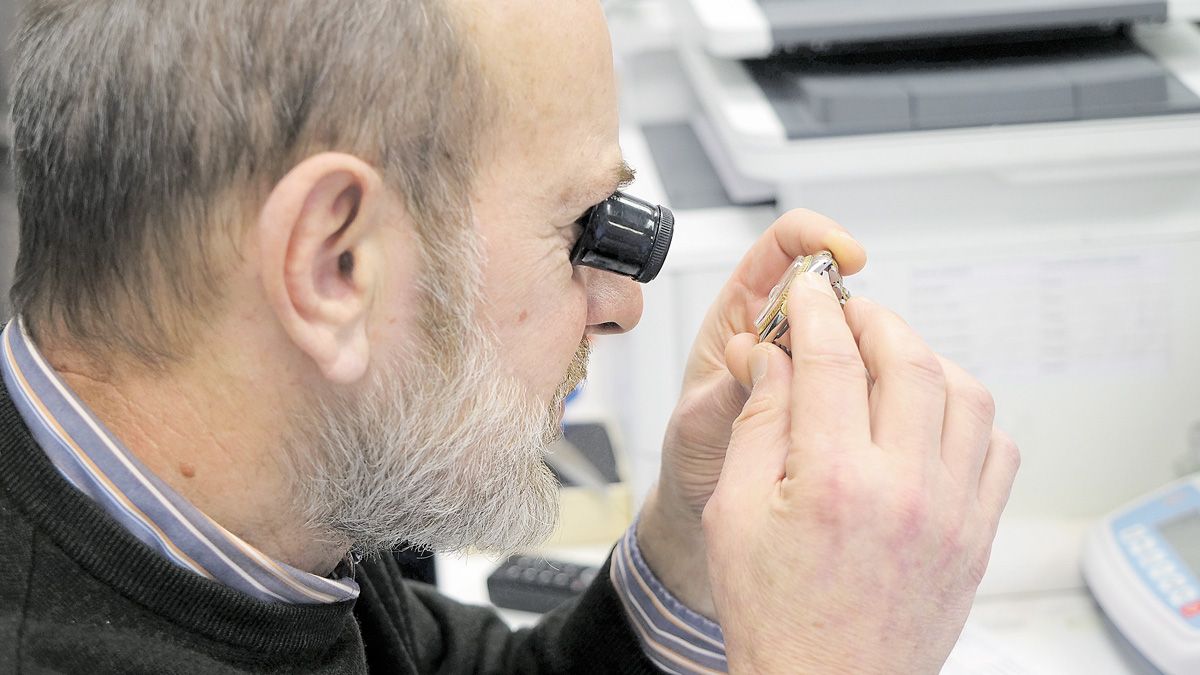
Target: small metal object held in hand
[772,323]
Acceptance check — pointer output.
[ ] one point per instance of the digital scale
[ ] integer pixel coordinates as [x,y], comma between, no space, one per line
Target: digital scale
[1142,564]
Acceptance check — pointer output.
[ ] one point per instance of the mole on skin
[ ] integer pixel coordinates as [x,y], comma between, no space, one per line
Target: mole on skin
[187,470]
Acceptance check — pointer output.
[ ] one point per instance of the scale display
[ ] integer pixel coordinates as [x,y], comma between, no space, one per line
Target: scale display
[1183,535]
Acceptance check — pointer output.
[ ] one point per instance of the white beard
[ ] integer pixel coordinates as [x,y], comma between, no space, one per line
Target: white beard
[440,465]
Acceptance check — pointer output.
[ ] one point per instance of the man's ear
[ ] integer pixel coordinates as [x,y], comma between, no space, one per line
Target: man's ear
[318,243]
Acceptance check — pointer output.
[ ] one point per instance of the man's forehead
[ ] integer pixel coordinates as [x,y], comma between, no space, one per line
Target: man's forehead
[547,62]
[526,38]
[551,71]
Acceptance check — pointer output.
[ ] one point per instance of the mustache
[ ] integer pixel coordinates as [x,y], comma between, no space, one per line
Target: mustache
[576,372]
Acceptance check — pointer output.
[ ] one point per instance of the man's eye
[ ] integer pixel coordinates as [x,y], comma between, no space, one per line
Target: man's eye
[573,233]
[575,230]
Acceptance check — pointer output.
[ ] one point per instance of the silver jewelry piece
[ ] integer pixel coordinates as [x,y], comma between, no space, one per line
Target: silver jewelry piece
[772,323]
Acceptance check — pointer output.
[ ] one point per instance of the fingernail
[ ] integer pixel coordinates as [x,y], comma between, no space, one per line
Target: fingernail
[758,365]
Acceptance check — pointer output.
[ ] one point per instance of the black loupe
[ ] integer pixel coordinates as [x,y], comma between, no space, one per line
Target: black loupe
[627,236]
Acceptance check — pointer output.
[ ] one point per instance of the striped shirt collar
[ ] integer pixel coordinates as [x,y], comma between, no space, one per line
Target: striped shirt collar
[95,462]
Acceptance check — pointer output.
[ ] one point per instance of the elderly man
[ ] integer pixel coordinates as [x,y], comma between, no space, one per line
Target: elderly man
[294,287]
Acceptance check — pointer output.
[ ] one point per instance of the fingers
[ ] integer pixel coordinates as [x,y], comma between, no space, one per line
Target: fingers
[999,472]
[968,428]
[796,233]
[908,399]
[758,447]
[829,383]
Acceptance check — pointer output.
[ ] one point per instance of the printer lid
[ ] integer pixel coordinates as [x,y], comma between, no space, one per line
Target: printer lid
[744,29]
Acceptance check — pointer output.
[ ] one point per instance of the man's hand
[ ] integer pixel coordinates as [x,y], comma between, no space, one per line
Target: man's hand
[670,533]
[860,494]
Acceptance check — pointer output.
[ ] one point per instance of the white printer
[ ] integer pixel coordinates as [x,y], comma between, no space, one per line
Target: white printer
[789,88]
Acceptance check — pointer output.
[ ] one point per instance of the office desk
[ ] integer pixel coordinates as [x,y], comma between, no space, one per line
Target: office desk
[1033,614]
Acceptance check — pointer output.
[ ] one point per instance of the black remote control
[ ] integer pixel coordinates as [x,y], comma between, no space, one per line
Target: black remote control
[533,584]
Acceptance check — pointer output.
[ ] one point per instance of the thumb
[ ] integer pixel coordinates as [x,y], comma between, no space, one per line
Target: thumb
[758,448]
[737,357]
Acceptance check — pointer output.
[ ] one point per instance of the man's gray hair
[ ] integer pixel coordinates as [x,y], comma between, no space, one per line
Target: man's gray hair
[145,130]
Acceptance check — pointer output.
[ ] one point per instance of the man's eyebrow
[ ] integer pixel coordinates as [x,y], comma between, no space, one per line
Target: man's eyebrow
[618,176]
[625,175]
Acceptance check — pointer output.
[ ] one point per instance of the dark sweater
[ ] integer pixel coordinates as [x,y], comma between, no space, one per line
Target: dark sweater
[79,594]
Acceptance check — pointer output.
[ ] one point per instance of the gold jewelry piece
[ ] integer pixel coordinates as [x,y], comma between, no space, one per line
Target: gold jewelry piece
[772,323]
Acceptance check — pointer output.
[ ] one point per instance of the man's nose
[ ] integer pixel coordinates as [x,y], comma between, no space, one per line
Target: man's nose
[614,302]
